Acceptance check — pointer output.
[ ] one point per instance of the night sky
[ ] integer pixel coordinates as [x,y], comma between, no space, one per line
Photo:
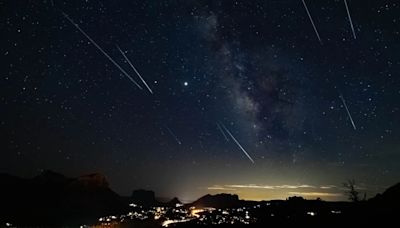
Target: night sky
[221,75]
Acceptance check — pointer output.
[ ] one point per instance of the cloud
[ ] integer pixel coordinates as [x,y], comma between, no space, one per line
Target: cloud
[328,187]
[216,187]
[254,186]
[317,194]
[281,191]
[250,186]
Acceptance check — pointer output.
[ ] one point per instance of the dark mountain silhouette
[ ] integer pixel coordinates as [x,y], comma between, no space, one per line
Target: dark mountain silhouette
[167,202]
[390,195]
[174,202]
[53,199]
[94,180]
[144,197]
[388,201]
[51,177]
[218,201]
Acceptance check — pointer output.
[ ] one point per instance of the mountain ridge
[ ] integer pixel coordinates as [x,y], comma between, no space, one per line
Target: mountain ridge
[52,199]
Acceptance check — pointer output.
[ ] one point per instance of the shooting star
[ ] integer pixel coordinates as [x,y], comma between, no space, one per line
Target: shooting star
[350,20]
[348,112]
[173,135]
[222,132]
[101,49]
[237,143]
[312,21]
[134,68]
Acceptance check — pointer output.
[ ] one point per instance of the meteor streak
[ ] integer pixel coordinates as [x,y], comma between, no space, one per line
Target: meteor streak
[312,21]
[222,132]
[348,112]
[237,143]
[101,49]
[173,135]
[350,20]
[134,68]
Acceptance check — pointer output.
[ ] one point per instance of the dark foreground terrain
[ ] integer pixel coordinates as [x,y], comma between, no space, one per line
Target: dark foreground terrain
[53,200]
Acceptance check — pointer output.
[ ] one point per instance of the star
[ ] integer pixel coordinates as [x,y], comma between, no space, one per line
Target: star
[285,98]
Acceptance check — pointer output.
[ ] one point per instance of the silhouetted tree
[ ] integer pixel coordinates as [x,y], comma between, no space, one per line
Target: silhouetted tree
[351,191]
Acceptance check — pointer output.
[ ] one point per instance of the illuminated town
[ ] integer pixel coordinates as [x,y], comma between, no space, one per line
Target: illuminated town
[199,113]
[169,216]
[180,214]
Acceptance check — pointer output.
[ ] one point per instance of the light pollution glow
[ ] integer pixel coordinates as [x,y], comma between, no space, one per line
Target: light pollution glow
[270,192]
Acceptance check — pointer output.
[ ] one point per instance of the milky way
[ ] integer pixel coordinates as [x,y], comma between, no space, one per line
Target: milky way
[255,66]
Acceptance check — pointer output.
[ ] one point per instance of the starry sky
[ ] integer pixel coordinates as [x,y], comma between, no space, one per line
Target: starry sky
[224,78]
